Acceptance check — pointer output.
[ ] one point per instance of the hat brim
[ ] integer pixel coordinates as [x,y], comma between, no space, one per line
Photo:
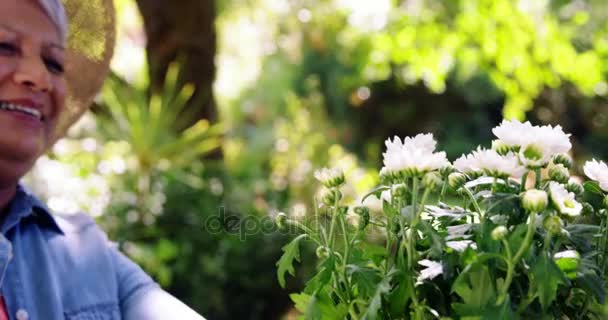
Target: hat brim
[90,47]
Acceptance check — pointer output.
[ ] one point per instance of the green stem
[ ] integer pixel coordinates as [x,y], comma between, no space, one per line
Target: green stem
[345,260]
[538,177]
[522,185]
[305,229]
[388,229]
[604,246]
[527,240]
[547,242]
[425,195]
[475,204]
[513,261]
[526,302]
[444,189]
[411,239]
[333,220]
[598,242]
[510,273]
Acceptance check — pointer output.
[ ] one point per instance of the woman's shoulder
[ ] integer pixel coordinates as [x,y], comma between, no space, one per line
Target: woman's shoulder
[76,223]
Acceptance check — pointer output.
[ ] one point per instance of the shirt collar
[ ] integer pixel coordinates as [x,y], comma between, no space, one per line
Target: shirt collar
[27,206]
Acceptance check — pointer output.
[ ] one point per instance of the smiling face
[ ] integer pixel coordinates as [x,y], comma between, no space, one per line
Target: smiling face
[32,86]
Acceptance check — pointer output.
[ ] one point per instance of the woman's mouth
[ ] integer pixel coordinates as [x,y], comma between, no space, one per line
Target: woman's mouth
[22,109]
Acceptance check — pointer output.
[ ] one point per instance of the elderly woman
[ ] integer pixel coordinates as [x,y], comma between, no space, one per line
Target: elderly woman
[54,267]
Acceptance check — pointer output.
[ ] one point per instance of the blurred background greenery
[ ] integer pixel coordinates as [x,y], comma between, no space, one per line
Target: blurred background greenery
[228,106]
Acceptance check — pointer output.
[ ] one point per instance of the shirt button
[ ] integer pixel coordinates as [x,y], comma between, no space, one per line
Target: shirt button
[22,314]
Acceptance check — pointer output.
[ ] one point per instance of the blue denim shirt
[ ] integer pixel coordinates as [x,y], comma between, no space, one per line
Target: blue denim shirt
[63,267]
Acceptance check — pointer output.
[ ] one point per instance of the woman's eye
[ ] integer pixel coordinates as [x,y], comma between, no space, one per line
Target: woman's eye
[54,66]
[7,48]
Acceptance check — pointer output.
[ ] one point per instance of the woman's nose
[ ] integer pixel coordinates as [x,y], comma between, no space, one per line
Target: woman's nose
[32,73]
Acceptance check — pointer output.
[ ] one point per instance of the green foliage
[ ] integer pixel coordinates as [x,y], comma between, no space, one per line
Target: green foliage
[149,124]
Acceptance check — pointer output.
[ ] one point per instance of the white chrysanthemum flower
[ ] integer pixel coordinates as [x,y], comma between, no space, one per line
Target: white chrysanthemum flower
[432,270]
[330,177]
[513,133]
[537,144]
[597,171]
[491,163]
[467,164]
[413,156]
[564,200]
[461,245]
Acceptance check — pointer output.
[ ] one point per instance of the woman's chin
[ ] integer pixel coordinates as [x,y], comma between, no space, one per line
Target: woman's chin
[25,149]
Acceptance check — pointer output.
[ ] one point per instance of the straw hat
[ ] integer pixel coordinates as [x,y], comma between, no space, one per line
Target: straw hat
[91,37]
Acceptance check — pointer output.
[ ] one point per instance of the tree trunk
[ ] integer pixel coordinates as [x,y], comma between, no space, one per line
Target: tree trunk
[183,30]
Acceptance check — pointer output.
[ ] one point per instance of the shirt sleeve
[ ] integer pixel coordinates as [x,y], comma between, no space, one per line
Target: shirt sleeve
[141,298]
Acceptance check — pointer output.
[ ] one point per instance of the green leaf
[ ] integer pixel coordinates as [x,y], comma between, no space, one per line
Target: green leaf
[373,311]
[516,238]
[582,235]
[548,277]
[301,301]
[285,263]
[400,295]
[435,240]
[322,277]
[475,286]
[490,312]
[318,307]
[589,281]
[366,279]
[592,187]
[388,209]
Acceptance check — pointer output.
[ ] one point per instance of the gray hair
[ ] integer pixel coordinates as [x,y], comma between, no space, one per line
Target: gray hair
[56,12]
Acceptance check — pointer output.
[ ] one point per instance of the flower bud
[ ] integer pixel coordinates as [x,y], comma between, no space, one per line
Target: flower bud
[500,147]
[553,225]
[399,190]
[499,233]
[534,200]
[330,197]
[363,212]
[386,176]
[432,180]
[445,171]
[456,180]
[281,220]
[559,173]
[564,160]
[330,178]
[575,188]
[588,209]
[322,252]
[568,261]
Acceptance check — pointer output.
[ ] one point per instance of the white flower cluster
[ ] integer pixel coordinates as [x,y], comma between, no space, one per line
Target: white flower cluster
[597,171]
[412,157]
[536,145]
[489,162]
